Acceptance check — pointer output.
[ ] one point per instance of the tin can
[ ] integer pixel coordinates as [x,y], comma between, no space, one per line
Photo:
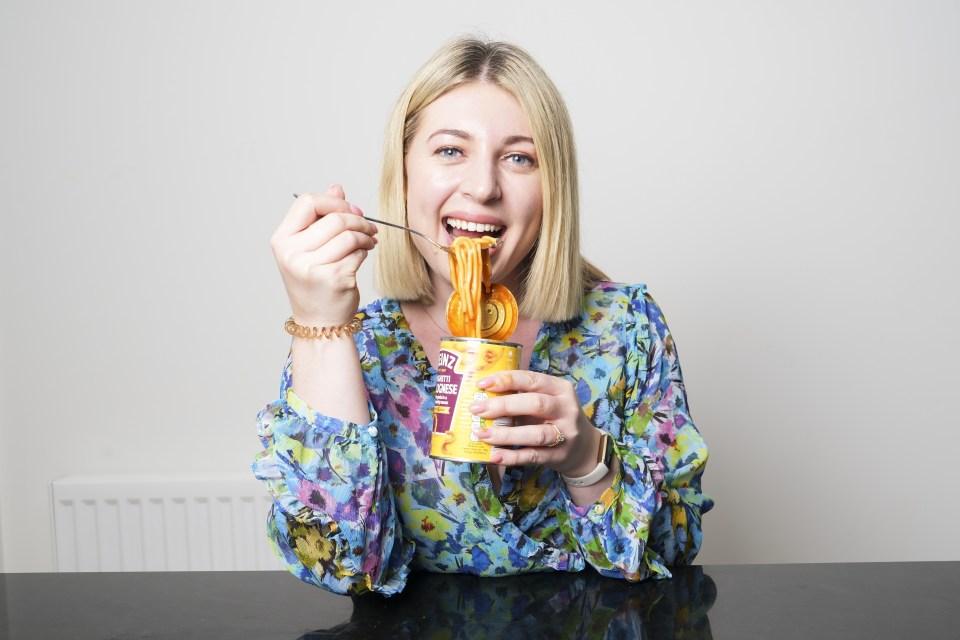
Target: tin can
[462,362]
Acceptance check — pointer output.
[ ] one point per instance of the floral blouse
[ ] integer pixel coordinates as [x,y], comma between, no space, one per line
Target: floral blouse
[357,506]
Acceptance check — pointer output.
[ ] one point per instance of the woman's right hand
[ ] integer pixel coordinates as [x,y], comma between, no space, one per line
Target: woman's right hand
[319,246]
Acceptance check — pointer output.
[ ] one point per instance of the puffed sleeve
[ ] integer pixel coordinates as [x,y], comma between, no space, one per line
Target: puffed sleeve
[332,521]
[650,516]
[658,420]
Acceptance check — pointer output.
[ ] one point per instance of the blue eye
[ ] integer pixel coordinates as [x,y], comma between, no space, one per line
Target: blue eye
[521,159]
[448,152]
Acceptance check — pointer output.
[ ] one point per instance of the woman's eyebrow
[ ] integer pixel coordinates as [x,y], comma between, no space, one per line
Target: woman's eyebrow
[451,132]
[516,139]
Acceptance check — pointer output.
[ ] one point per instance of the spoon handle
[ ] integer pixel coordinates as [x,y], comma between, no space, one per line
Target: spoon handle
[400,226]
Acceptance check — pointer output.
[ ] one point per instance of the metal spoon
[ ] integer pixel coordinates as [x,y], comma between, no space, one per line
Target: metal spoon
[400,226]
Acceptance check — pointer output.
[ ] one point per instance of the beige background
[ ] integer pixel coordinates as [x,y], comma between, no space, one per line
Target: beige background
[784,176]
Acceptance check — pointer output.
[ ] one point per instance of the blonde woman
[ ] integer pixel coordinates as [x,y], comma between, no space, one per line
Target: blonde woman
[603,469]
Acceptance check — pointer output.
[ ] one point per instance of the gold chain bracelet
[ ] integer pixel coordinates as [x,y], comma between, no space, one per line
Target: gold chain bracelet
[300,331]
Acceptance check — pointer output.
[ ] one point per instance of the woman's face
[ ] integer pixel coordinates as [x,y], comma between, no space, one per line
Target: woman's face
[472,170]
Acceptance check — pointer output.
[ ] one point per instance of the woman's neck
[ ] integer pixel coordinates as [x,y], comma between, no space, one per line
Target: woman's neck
[428,321]
[442,287]
[428,324]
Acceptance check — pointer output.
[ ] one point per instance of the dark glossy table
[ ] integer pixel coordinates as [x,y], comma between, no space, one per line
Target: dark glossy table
[885,600]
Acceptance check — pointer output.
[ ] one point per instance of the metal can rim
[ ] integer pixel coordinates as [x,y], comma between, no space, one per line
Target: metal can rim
[483,340]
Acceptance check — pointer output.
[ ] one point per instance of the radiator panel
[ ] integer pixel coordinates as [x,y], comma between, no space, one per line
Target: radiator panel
[188,522]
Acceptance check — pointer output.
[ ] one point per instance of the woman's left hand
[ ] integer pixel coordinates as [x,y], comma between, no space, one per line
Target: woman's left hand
[550,409]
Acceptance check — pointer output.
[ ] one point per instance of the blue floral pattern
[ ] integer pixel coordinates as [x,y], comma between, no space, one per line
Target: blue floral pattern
[356,507]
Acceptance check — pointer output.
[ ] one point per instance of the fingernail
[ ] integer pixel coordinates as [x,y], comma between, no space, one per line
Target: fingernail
[495,457]
[483,383]
[478,407]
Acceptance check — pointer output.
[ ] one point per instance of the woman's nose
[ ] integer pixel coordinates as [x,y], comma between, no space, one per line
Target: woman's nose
[481,181]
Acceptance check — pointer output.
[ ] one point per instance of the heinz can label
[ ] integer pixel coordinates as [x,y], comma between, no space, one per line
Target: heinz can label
[462,362]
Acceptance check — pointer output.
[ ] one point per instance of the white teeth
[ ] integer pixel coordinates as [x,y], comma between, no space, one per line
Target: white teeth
[464,225]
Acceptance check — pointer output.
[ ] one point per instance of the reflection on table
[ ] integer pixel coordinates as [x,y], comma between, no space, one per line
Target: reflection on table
[583,605]
[788,602]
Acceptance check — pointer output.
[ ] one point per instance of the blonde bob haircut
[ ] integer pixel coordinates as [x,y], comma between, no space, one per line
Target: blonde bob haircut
[556,274]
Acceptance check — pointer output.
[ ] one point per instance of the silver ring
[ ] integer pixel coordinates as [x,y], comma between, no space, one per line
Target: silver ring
[560,437]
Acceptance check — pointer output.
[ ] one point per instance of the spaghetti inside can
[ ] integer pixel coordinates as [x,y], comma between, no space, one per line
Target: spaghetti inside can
[462,362]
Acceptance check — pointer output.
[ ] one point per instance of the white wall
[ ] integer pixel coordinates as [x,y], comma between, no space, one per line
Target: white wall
[2,564]
[783,175]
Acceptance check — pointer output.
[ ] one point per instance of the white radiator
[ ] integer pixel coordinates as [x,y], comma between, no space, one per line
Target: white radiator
[186,522]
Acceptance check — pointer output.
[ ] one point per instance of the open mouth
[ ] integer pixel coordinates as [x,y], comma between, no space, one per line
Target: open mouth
[456,227]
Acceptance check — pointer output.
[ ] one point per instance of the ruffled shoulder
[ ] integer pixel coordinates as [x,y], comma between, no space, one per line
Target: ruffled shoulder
[606,306]
[385,325]
[381,312]
[387,336]
[604,295]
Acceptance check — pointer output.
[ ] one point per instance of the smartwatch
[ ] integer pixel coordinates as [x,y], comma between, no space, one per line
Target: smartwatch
[604,458]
